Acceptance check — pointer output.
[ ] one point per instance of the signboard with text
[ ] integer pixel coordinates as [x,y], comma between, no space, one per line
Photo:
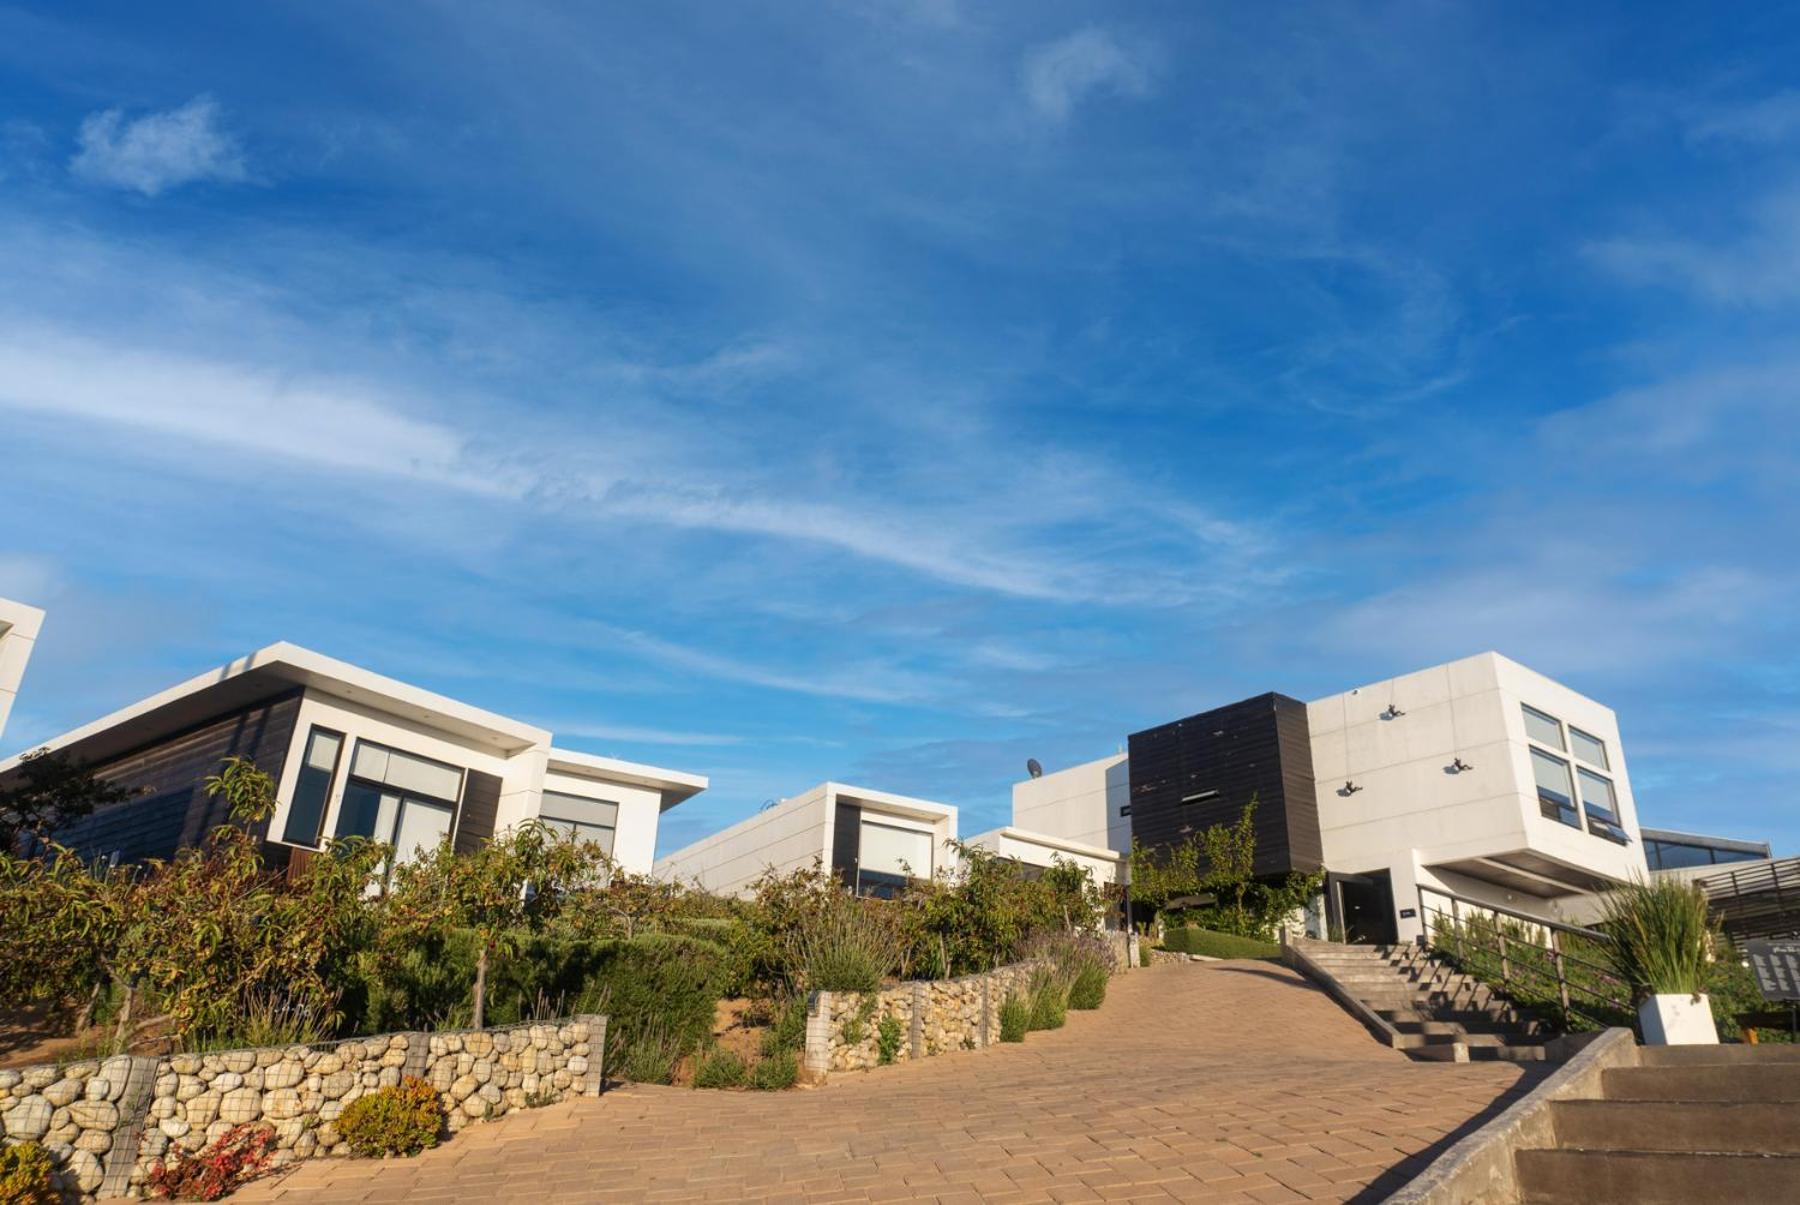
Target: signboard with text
[1776,965]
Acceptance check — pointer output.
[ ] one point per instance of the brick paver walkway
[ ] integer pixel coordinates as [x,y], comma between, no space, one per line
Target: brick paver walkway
[1226,1082]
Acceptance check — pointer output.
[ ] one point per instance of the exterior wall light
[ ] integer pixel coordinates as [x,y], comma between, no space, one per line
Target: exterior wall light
[1392,713]
[1458,765]
[1350,788]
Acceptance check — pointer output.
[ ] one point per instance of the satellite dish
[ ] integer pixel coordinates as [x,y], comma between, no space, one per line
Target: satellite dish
[1032,768]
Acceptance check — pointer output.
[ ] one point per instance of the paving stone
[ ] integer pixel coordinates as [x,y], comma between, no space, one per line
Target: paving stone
[1206,1082]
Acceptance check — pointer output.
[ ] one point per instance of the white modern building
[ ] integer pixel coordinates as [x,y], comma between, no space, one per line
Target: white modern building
[873,841]
[1086,803]
[1042,851]
[353,753]
[1480,778]
[19,625]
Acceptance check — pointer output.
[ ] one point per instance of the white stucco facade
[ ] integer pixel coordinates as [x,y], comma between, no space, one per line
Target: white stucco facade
[1085,804]
[1433,778]
[350,723]
[19,625]
[1041,849]
[802,831]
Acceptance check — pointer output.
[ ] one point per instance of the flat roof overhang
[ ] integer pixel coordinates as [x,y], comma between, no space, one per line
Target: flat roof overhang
[270,673]
[676,786]
[1530,873]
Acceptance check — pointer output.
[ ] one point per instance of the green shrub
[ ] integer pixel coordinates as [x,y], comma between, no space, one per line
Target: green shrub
[1089,989]
[659,993]
[1661,935]
[1049,1000]
[401,1120]
[887,1039]
[1143,952]
[28,1175]
[721,1069]
[775,1073]
[1015,1018]
[1213,944]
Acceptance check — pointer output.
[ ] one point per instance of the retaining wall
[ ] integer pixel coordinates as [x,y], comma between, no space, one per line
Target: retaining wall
[935,1016]
[108,1122]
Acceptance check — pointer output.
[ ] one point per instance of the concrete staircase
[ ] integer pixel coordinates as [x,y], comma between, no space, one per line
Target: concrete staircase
[1432,1010]
[1688,1123]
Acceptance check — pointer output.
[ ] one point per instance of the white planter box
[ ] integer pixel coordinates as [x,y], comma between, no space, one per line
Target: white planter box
[1678,1020]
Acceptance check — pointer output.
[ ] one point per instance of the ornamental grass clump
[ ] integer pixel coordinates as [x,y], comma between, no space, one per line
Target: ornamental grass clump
[721,1069]
[1049,1000]
[401,1120]
[1662,936]
[846,945]
[1015,1018]
[216,1170]
[775,1073]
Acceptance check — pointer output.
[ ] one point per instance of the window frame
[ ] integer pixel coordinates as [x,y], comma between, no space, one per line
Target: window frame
[1569,813]
[401,794]
[1609,824]
[879,884]
[1605,762]
[331,787]
[1562,733]
[575,826]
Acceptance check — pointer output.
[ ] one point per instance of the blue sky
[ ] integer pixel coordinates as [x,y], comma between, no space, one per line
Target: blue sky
[893,391]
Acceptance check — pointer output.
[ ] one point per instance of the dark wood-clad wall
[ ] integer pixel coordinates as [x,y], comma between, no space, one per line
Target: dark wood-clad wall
[479,812]
[846,843]
[1193,773]
[170,807]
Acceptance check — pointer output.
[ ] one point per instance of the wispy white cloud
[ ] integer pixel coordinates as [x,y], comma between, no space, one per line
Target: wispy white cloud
[158,151]
[636,735]
[1758,265]
[1059,75]
[337,426]
[1766,121]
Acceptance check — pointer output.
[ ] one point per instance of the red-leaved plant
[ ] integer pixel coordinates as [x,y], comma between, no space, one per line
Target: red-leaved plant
[221,1167]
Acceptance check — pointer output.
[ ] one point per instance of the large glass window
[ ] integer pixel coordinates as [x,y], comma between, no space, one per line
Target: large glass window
[1675,855]
[1556,793]
[312,788]
[1542,728]
[1590,749]
[888,856]
[401,798]
[593,820]
[1602,807]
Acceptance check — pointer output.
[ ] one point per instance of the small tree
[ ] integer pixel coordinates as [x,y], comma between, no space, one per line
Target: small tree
[1220,860]
[1229,852]
[52,791]
[510,887]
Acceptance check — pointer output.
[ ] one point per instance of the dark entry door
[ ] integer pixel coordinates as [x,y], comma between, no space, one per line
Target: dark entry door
[1366,902]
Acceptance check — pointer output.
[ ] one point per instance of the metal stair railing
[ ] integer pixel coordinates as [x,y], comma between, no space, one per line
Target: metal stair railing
[1530,960]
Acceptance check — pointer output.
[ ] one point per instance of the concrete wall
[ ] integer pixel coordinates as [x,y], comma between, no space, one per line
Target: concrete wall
[797,832]
[19,625]
[640,810]
[523,775]
[793,834]
[1080,803]
[1413,812]
[359,722]
[1035,849]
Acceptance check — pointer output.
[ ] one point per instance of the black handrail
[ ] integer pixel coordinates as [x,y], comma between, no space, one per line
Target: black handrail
[1528,973]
